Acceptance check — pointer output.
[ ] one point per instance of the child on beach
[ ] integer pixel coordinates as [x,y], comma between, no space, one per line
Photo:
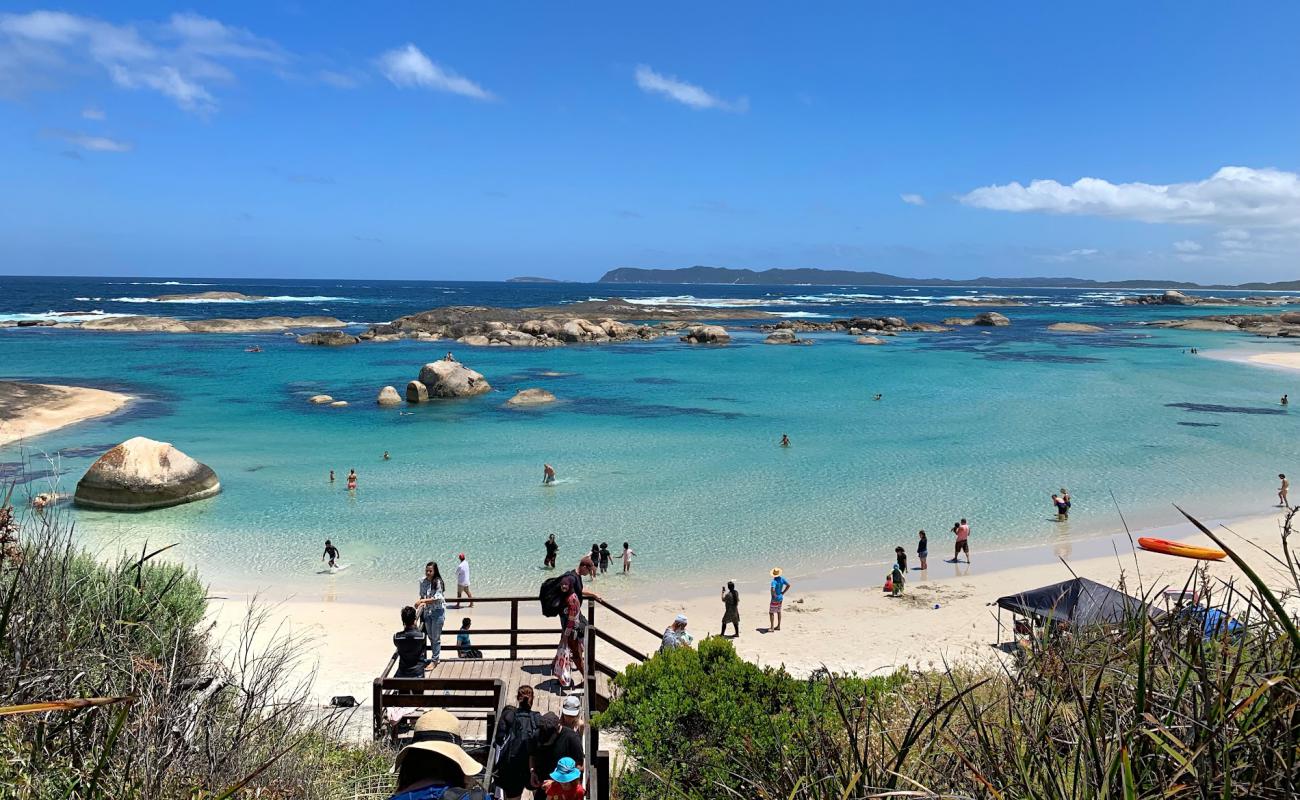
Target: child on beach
[552,548]
[463,646]
[604,557]
[627,554]
[896,582]
[332,553]
[900,558]
[922,548]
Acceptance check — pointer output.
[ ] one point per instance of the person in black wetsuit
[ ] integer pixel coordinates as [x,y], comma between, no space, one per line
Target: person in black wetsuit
[409,642]
[552,548]
[332,553]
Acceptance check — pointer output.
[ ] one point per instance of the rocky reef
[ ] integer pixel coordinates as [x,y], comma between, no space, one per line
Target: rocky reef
[1286,324]
[1173,297]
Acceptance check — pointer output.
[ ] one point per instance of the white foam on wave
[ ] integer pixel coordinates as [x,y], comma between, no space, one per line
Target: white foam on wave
[199,301]
[708,302]
[800,314]
[168,283]
[61,316]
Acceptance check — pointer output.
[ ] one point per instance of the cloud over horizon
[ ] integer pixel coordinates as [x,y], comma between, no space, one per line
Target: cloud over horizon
[687,94]
[94,144]
[1233,196]
[408,67]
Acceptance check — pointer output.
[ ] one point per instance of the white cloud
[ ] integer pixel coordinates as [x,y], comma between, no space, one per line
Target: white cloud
[180,58]
[685,93]
[1188,246]
[97,114]
[409,67]
[1237,196]
[94,144]
[912,199]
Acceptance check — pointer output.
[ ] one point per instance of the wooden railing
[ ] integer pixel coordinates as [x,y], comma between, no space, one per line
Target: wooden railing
[512,643]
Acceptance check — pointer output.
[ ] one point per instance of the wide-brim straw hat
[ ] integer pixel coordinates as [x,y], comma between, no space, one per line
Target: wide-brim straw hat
[438,731]
[776,572]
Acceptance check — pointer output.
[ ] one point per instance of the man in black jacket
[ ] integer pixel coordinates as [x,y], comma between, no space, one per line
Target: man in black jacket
[516,737]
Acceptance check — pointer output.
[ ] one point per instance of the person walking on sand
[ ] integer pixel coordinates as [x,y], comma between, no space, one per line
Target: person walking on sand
[785,440]
[777,590]
[552,550]
[626,555]
[922,549]
[332,553]
[962,531]
[352,480]
[432,606]
[1282,491]
[462,581]
[548,474]
[731,608]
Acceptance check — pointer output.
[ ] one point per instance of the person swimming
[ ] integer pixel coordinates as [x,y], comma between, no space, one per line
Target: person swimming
[385,455]
[785,440]
[548,474]
[877,396]
[1285,400]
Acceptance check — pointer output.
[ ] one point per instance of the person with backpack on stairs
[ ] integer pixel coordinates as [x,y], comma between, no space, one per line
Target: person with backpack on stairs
[516,738]
[562,597]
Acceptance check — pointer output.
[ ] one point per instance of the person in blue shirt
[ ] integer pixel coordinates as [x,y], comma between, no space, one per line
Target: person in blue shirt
[779,587]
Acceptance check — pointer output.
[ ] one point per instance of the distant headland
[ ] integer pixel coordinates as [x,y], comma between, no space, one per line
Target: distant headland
[840,277]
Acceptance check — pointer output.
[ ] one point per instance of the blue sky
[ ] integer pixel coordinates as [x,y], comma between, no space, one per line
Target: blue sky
[481,141]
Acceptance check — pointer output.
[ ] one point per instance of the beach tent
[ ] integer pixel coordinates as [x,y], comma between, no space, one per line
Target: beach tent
[1078,601]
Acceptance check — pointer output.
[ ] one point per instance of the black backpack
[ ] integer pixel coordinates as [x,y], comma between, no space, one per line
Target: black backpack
[552,598]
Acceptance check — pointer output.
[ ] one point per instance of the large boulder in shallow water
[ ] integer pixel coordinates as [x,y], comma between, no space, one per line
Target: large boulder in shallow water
[417,392]
[388,396]
[1073,327]
[140,474]
[707,334]
[531,397]
[452,379]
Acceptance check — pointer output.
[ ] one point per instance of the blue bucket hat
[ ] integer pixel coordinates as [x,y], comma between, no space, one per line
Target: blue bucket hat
[566,770]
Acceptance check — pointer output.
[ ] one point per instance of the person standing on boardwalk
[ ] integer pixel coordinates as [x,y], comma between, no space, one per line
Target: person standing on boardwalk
[777,592]
[731,608]
[462,581]
[432,606]
[962,531]
[516,737]
[552,549]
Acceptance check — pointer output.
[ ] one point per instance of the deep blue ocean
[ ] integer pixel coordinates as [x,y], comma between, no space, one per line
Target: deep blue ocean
[668,446]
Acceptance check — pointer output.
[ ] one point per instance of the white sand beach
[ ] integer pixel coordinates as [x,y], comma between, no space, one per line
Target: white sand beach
[31,409]
[1287,360]
[840,620]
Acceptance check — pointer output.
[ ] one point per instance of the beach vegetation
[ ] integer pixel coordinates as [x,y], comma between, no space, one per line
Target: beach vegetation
[113,685]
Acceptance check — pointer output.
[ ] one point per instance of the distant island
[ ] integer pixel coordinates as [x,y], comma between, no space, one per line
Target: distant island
[841,277]
[532,279]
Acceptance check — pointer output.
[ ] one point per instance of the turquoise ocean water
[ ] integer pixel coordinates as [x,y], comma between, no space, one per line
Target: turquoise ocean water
[668,446]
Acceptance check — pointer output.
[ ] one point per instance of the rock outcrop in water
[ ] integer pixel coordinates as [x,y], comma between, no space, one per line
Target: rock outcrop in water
[388,396]
[1173,297]
[531,397]
[1073,327]
[706,334]
[173,325]
[990,319]
[981,301]
[328,339]
[785,336]
[141,474]
[446,379]
[1286,324]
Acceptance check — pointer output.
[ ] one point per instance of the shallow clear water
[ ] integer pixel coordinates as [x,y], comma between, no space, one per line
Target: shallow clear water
[668,446]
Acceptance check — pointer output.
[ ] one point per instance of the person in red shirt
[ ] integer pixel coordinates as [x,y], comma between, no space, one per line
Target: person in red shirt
[565,781]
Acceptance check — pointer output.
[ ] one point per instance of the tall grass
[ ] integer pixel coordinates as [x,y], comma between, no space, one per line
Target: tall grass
[140,700]
[1142,709]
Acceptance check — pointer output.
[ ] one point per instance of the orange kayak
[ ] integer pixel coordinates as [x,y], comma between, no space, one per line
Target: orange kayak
[1180,549]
